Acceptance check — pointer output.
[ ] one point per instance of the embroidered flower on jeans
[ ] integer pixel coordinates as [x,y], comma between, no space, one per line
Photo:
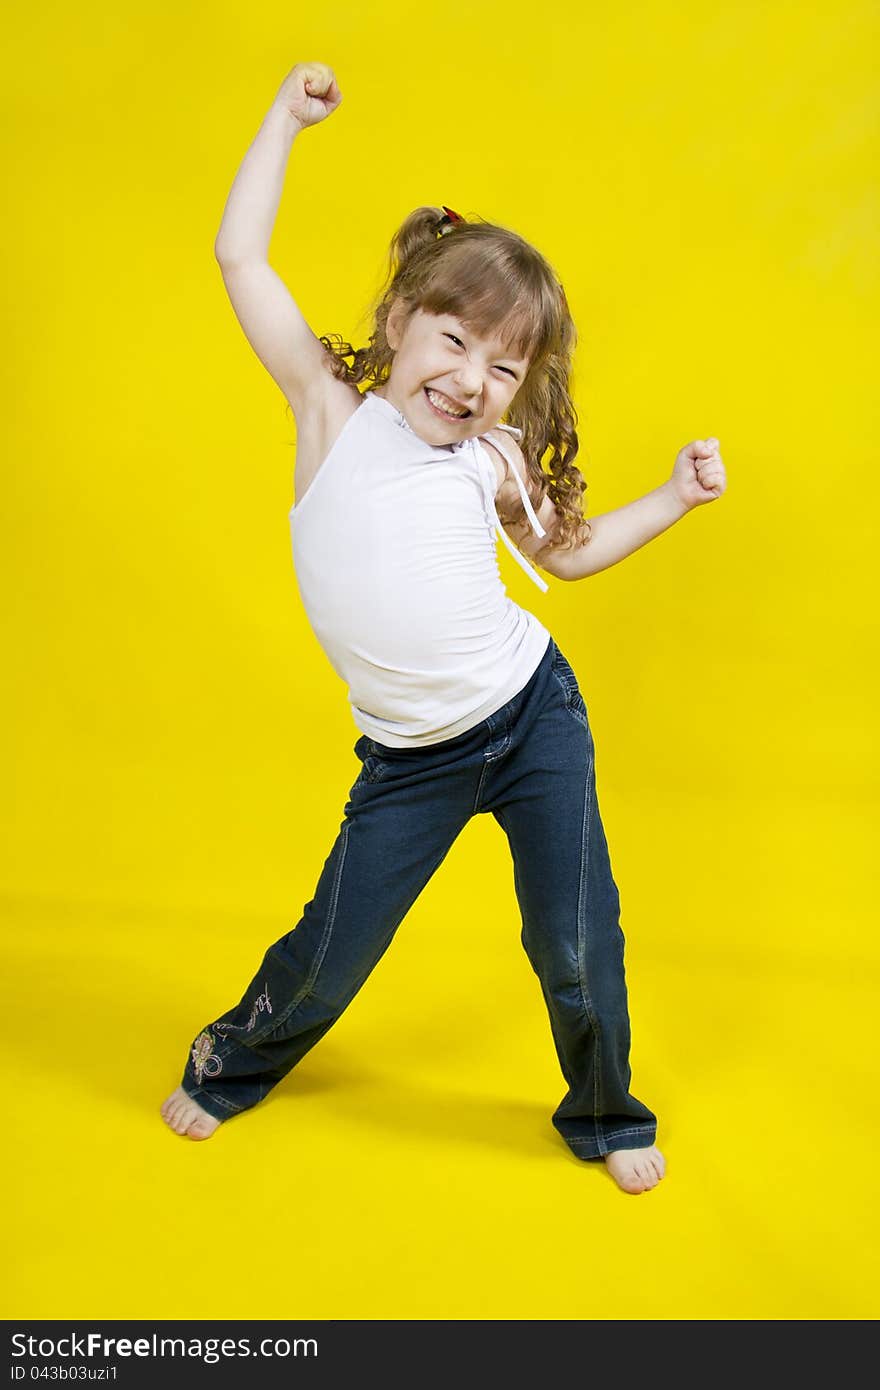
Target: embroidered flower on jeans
[205,1062]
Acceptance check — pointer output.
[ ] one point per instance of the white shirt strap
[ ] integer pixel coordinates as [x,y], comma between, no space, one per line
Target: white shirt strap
[530,512]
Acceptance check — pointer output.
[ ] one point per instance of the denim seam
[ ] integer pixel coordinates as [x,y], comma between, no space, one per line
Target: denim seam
[584,1139]
[613,1134]
[325,942]
[560,680]
[374,768]
[569,692]
[218,1100]
[332,915]
[479,790]
[582,951]
[576,713]
[488,759]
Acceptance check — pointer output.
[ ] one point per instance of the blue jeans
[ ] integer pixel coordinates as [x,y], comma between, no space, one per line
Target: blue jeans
[531,764]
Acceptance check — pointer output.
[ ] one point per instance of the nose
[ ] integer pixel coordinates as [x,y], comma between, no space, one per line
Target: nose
[467,385]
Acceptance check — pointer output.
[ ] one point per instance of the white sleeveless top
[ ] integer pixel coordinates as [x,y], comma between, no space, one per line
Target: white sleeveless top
[394,552]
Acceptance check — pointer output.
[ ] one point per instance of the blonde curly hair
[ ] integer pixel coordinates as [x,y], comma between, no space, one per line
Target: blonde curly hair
[495,282]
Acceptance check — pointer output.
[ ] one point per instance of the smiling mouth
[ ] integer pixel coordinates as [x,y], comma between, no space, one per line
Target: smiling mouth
[440,411]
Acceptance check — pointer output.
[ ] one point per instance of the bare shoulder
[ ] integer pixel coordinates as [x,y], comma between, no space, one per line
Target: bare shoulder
[504,451]
[507,456]
[320,419]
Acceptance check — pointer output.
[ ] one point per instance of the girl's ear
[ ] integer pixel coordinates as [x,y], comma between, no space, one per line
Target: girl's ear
[392,325]
[399,315]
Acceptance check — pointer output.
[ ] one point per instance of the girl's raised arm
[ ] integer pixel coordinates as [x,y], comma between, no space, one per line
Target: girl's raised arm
[272,322]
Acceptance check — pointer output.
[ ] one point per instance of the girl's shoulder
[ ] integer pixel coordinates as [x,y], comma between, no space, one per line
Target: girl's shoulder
[506,456]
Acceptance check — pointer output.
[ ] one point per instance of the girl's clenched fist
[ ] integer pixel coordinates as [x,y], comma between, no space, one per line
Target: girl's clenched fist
[309,93]
[698,475]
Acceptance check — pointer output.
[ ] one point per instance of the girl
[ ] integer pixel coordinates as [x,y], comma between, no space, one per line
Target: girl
[464,702]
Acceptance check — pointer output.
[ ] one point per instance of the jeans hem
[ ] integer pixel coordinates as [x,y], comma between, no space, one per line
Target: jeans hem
[218,1109]
[588,1148]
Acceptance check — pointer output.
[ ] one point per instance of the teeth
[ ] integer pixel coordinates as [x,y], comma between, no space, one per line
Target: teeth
[442,404]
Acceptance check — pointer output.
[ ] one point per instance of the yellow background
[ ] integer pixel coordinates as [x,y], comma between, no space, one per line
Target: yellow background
[178,750]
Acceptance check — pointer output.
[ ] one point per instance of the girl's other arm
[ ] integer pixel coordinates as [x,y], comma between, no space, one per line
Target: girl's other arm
[614,535]
[269,317]
[698,476]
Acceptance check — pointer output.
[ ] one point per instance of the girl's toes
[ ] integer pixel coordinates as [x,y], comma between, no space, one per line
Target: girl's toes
[202,1127]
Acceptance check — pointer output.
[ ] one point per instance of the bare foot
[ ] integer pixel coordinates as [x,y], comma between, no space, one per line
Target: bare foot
[635,1170]
[181,1113]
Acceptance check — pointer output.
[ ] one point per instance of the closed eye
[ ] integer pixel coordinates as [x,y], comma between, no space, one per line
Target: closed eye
[509,371]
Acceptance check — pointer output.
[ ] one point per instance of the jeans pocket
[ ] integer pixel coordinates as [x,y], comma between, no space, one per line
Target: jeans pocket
[571,690]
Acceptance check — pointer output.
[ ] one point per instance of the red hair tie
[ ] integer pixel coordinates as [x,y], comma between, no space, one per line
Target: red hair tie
[448,220]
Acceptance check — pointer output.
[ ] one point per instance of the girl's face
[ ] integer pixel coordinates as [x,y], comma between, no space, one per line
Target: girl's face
[440,367]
